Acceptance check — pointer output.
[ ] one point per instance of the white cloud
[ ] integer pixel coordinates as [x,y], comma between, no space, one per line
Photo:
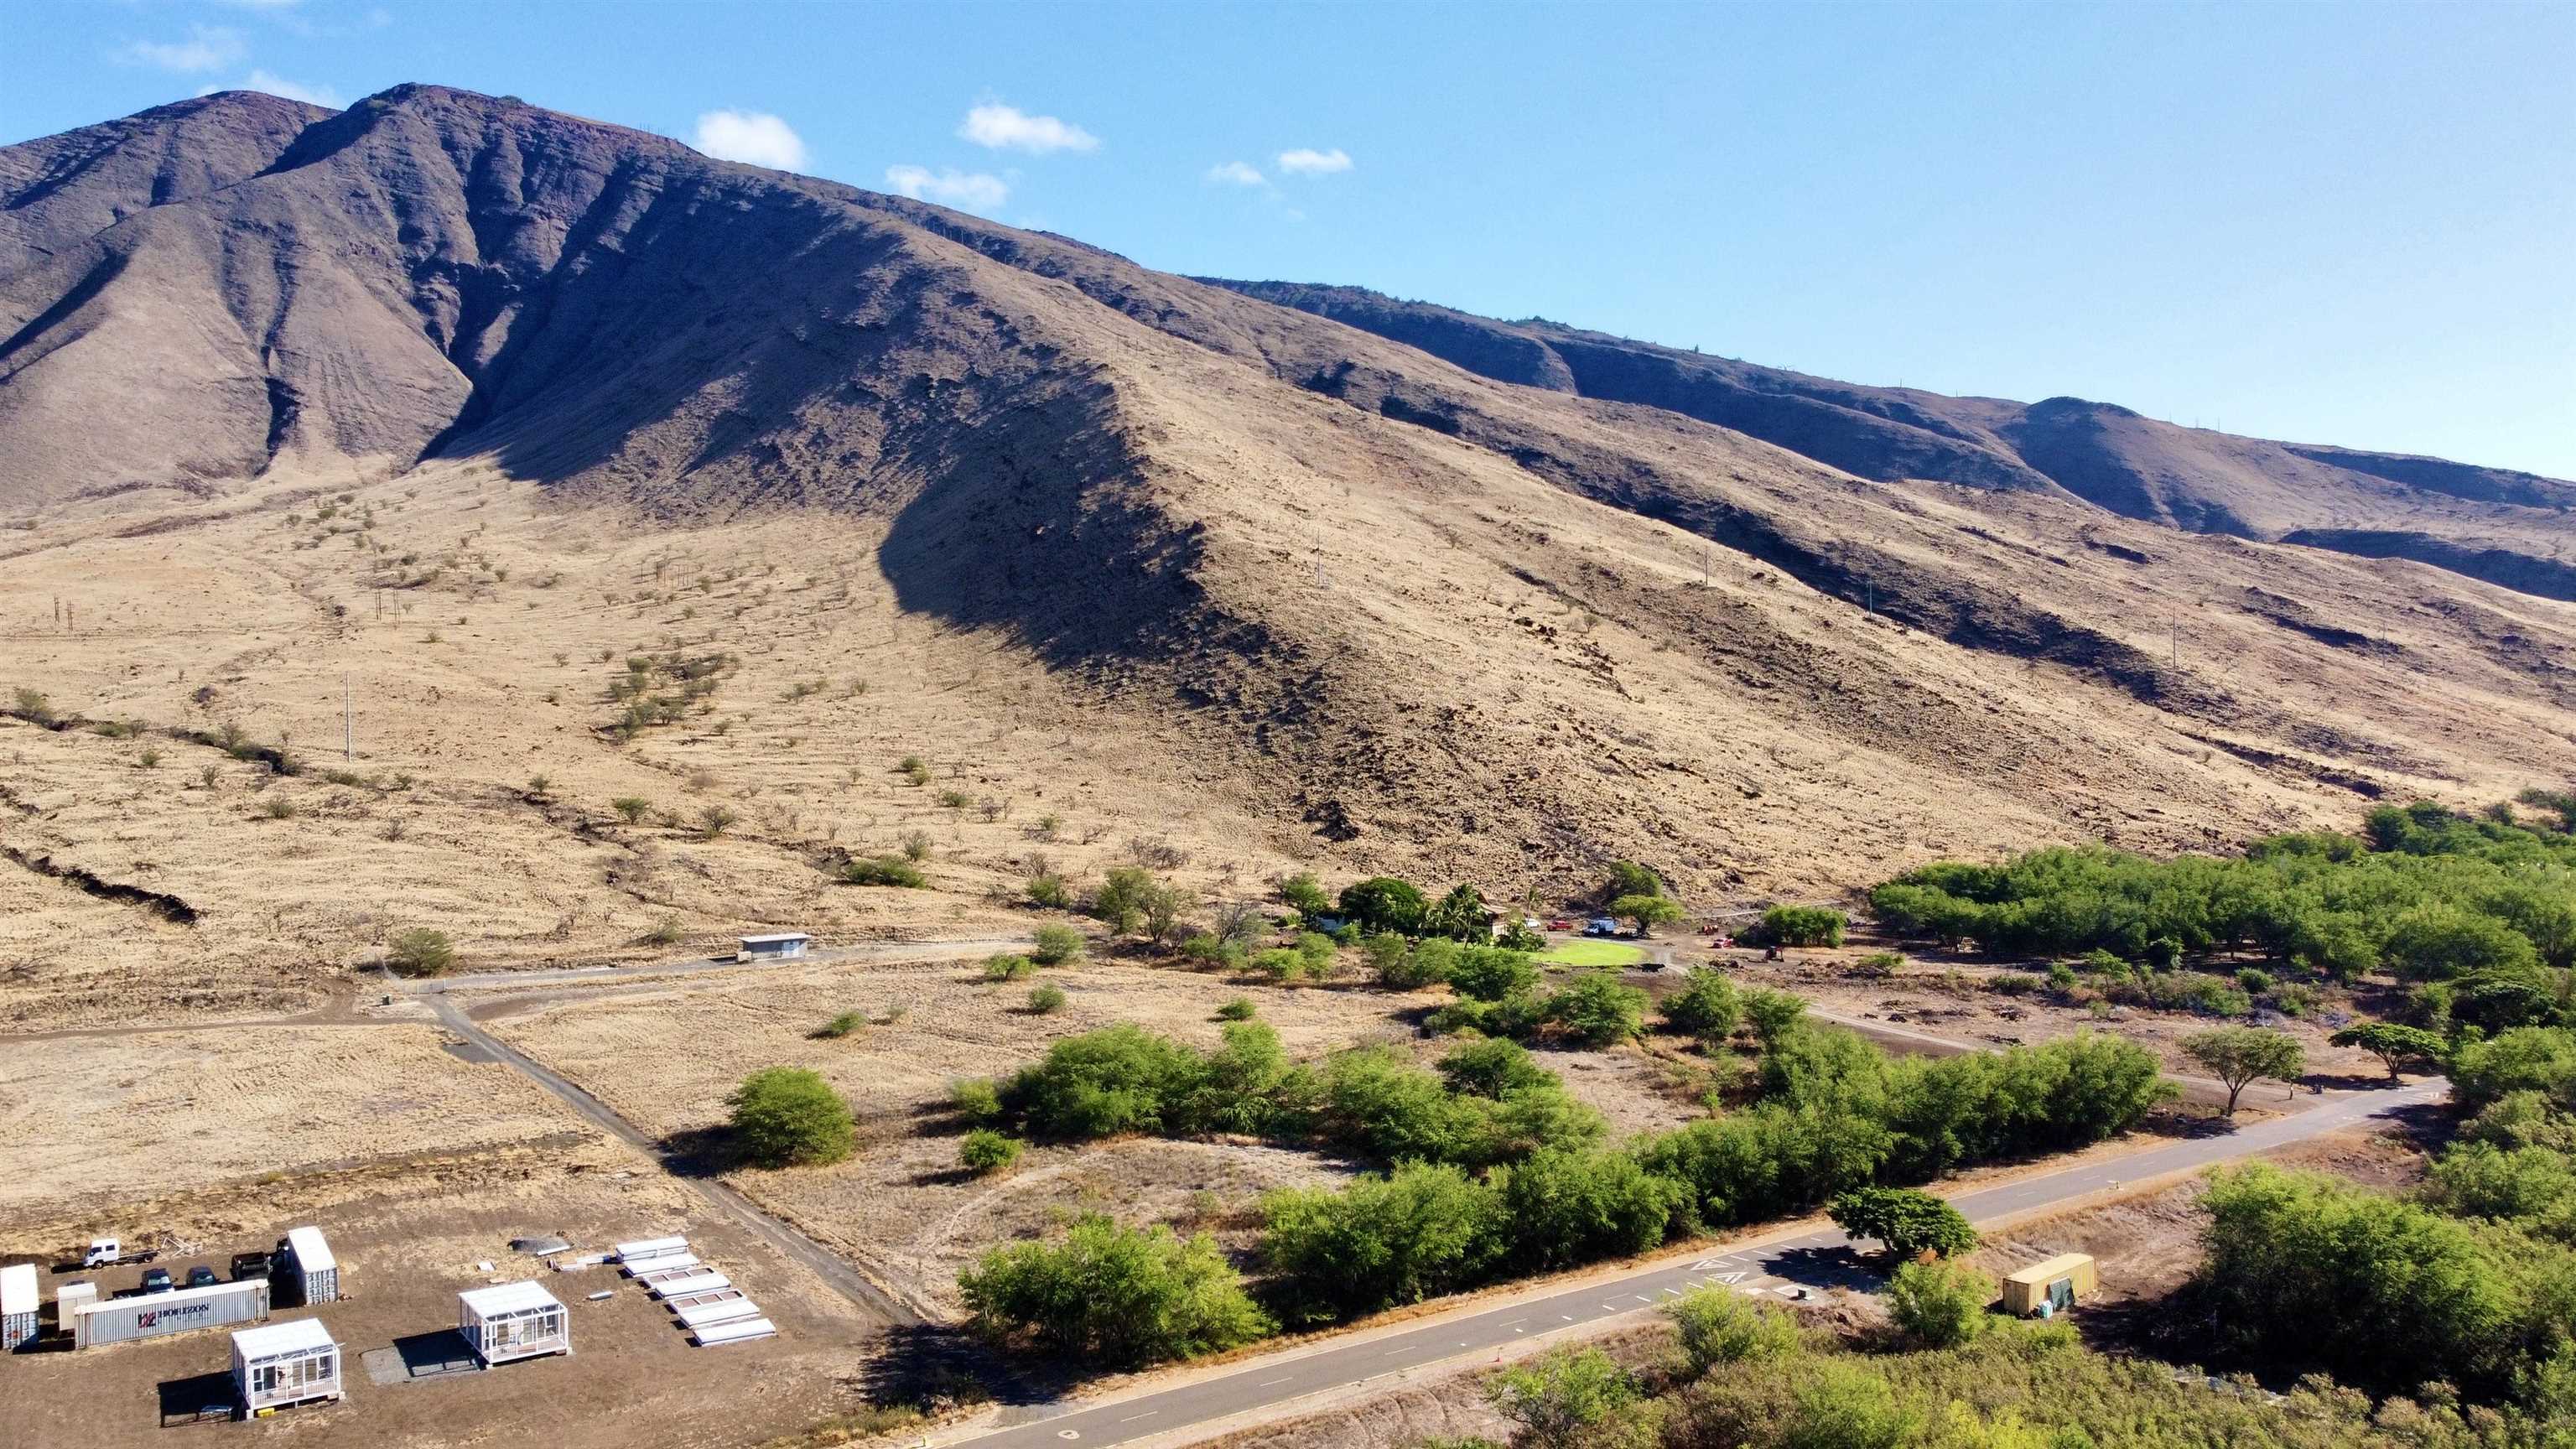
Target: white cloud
[999,126]
[965,190]
[1235,173]
[208,47]
[1304,162]
[271,83]
[753,136]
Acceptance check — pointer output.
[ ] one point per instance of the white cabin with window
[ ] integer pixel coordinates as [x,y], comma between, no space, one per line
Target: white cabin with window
[512,1321]
[277,1364]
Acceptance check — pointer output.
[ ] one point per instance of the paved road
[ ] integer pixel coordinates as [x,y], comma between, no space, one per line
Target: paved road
[1778,1266]
[694,965]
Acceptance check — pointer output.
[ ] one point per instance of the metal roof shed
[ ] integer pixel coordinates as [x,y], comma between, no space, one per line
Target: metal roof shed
[778,947]
[285,1363]
[19,1305]
[309,1261]
[512,1321]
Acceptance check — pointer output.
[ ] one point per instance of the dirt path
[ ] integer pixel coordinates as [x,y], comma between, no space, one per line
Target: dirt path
[876,1302]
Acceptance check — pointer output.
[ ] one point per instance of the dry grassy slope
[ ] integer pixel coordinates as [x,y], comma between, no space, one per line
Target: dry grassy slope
[2190,478]
[1151,557]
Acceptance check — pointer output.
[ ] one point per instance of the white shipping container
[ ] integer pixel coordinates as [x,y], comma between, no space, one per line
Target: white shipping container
[310,1263]
[19,1306]
[149,1315]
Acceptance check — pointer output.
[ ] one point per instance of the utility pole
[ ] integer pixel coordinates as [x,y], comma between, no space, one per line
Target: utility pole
[348,727]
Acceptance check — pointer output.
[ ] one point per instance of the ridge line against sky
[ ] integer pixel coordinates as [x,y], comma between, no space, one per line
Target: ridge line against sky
[2342,225]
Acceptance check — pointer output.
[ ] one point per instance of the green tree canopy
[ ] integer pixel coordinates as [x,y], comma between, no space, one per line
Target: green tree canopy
[1122,1296]
[1909,1221]
[788,1116]
[2241,1055]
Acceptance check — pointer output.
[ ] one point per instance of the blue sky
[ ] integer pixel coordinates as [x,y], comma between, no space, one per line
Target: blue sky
[2351,224]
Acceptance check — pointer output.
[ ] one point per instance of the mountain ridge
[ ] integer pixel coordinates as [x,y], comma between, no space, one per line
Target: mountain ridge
[1384,603]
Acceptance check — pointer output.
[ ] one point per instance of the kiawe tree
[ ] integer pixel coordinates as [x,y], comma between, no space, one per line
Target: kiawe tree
[1646,912]
[2241,1055]
[2394,1045]
[1909,1221]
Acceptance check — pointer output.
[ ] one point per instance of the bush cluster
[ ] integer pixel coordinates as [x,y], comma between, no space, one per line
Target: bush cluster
[2428,894]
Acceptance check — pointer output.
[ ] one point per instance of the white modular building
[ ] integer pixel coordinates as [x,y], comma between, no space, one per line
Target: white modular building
[20,1304]
[307,1264]
[782,946]
[512,1321]
[278,1364]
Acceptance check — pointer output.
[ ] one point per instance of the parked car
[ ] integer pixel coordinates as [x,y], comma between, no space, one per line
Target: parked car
[1560,924]
[1601,926]
[247,1266]
[156,1280]
[202,1276]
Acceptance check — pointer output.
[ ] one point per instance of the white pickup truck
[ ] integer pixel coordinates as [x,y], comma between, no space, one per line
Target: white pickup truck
[108,1253]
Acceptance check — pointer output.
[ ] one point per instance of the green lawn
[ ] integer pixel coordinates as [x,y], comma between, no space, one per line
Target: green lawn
[1591,953]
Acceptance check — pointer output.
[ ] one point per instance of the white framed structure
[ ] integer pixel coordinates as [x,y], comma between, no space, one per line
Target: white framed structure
[782,946]
[309,1264]
[689,1285]
[512,1321]
[277,1364]
[634,1255]
[20,1304]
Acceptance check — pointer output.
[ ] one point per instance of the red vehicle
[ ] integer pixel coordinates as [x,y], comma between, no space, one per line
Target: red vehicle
[1560,924]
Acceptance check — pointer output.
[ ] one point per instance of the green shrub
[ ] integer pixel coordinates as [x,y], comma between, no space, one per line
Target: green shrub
[975,1099]
[2012,983]
[1045,999]
[1207,950]
[787,1116]
[984,1152]
[1569,1398]
[1280,964]
[1304,896]
[1319,950]
[2253,982]
[2061,977]
[1418,1232]
[1490,973]
[1773,1014]
[1056,945]
[1008,966]
[1238,1008]
[1878,964]
[1383,903]
[916,845]
[1493,1068]
[420,951]
[1718,1326]
[1458,916]
[1115,1296]
[1568,1206]
[1627,878]
[1644,913]
[888,870]
[840,1026]
[1801,926]
[1049,890]
[1940,1304]
[1708,1006]
[1598,1010]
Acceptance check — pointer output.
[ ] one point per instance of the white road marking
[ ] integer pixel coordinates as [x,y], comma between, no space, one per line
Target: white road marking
[1132,1418]
[1265,1383]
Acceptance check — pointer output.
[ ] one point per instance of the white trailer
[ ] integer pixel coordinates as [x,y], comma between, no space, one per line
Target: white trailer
[781,946]
[20,1304]
[305,1260]
[277,1364]
[512,1321]
[149,1315]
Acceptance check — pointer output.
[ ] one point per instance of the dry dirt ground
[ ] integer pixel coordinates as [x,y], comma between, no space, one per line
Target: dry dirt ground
[898,1206]
[409,1236]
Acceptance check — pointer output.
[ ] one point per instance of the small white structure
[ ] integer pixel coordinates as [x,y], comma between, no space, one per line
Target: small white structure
[696,1281]
[741,1330]
[19,1305]
[278,1364]
[71,1298]
[512,1321]
[783,946]
[633,1254]
[306,1262]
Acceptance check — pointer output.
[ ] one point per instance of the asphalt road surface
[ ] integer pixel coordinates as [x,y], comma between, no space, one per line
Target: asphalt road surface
[1781,1266]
